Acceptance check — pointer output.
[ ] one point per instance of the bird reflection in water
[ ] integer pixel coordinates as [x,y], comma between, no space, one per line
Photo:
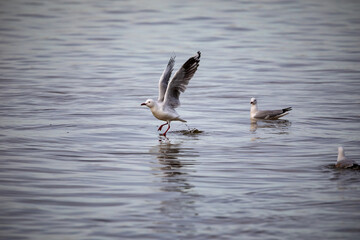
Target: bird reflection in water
[173,168]
[174,165]
[280,126]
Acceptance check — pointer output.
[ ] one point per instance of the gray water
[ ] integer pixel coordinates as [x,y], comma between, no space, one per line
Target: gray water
[81,159]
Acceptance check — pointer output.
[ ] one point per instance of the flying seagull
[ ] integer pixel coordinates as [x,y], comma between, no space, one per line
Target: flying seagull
[342,161]
[266,114]
[169,91]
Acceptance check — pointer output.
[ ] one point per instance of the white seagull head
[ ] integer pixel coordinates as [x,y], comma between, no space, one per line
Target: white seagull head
[341,153]
[253,101]
[149,103]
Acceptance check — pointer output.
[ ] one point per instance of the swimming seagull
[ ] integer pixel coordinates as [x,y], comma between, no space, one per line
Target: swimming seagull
[266,114]
[169,91]
[342,161]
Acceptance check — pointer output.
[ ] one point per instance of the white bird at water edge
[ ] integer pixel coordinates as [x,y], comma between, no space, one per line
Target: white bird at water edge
[169,91]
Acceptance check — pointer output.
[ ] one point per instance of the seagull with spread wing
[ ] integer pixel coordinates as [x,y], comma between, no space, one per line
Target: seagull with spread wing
[169,91]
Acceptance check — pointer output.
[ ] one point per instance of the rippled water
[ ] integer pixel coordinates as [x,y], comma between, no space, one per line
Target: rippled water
[80,159]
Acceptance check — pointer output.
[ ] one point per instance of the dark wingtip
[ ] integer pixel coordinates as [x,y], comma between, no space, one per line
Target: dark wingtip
[193,60]
[287,109]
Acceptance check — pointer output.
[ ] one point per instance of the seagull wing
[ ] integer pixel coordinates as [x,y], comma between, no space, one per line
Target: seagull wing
[164,79]
[345,163]
[180,80]
[272,114]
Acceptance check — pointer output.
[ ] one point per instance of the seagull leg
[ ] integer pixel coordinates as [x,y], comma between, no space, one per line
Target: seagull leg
[166,130]
[159,129]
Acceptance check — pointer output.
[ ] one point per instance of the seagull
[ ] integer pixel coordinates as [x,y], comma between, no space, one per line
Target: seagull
[169,91]
[342,161]
[266,114]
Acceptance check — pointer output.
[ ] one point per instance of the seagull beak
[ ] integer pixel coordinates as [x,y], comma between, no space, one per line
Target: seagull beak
[142,104]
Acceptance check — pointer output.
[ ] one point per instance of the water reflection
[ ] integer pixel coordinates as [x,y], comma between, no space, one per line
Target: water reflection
[280,126]
[345,178]
[173,168]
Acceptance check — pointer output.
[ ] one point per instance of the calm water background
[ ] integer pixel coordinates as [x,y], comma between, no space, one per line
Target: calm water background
[80,159]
